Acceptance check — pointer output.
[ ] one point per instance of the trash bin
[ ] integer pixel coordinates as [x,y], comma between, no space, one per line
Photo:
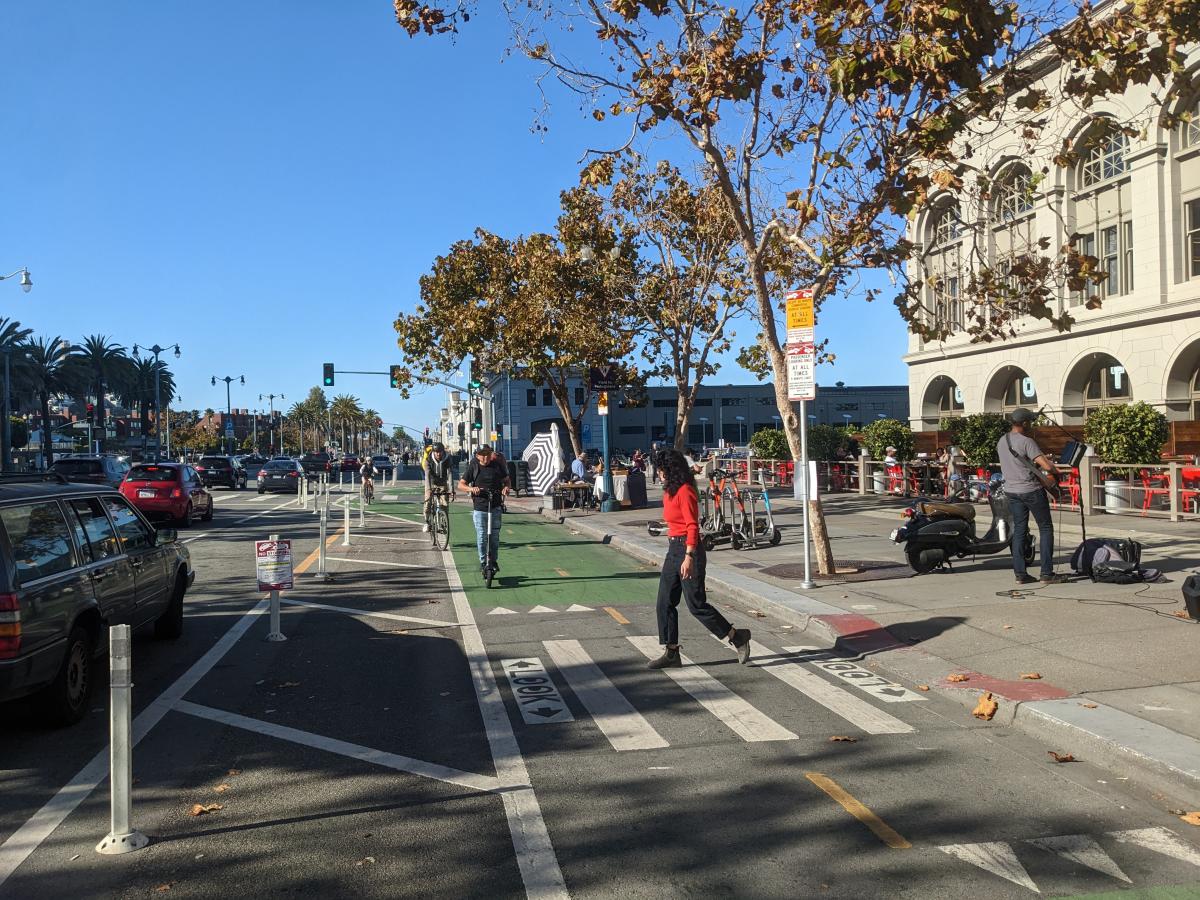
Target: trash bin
[1116,494]
[518,476]
[635,482]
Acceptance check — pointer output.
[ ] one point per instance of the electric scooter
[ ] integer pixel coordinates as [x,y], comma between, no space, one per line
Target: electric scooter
[489,564]
[938,530]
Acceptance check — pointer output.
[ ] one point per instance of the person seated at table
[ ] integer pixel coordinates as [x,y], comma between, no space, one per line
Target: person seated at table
[580,470]
[638,461]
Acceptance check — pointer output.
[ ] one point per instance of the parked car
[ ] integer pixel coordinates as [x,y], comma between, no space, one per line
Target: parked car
[280,475]
[221,470]
[172,491]
[91,468]
[315,463]
[75,558]
[383,464]
[349,463]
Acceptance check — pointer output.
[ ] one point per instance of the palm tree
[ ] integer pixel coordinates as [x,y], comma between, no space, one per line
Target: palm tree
[345,411]
[370,417]
[137,389]
[48,374]
[105,361]
[12,336]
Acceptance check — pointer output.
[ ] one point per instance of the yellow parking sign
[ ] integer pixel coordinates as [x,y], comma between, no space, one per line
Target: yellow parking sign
[800,309]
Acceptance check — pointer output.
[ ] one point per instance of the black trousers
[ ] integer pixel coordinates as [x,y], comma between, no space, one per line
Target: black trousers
[671,587]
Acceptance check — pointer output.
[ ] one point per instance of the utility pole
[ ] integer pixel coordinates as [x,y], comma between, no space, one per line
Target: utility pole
[228,379]
[271,398]
[156,350]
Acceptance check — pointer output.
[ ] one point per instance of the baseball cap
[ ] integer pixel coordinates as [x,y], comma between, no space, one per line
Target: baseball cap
[890,449]
[482,449]
[439,446]
[1022,416]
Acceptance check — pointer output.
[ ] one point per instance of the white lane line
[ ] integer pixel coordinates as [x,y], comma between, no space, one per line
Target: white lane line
[531,841]
[395,617]
[856,711]
[263,513]
[624,726]
[194,537]
[740,717]
[377,562]
[22,842]
[395,518]
[345,748]
[388,537]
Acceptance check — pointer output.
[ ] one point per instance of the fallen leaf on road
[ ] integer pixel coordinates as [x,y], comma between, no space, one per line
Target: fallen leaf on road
[1181,614]
[985,708]
[1177,812]
[1192,818]
[73,858]
[288,684]
[922,687]
[200,809]
[235,772]
[1006,627]
[366,860]
[757,614]
[221,788]
[435,601]
[844,739]
[163,888]
[1061,757]
[1031,676]
[1088,705]
[787,626]
[956,677]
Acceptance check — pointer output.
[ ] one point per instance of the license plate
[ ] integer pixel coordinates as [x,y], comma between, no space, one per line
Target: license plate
[147,493]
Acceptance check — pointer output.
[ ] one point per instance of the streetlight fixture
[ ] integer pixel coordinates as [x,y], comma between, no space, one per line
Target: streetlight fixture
[704,430]
[228,379]
[26,281]
[272,398]
[156,350]
[741,427]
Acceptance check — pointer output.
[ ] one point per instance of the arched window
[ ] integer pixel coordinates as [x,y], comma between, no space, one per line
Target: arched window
[943,266]
[950,401]
[1107,384]
[1188,163]
[1189,131]
[1012,218]
[1013,194]
[1102,210]
[1196,395]
[1019,390]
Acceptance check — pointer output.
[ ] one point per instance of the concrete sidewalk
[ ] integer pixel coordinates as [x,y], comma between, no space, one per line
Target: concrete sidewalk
[1119,667]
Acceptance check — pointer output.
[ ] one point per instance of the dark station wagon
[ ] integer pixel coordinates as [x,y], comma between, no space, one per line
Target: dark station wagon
[74,559]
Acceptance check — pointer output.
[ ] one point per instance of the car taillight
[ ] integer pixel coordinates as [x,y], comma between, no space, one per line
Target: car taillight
[177,492]
[199,468]
[10,626]
[293,474]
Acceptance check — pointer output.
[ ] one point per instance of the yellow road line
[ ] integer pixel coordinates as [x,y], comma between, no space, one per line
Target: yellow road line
[882,830]
[314,556]
[621,620]
[563,573]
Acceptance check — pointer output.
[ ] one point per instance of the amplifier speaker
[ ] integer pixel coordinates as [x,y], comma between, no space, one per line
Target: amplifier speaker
[1191,596]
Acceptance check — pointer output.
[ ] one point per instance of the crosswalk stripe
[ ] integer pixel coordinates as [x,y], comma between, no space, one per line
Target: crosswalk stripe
[624,726]
[1081,849]
[740,717]
[996,857]
[854,710]
[1160,840]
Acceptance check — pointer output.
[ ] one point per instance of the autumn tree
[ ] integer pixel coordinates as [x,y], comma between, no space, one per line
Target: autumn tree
[688,286]
[826,125]
[540,304]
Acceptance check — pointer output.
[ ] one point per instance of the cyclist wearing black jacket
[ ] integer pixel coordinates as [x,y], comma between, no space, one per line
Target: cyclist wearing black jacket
[437,477]
[486,479]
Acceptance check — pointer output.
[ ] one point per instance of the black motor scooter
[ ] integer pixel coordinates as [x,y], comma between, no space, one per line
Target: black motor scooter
[938,530]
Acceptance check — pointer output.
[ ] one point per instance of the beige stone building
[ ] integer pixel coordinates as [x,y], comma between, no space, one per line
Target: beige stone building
[1134,203]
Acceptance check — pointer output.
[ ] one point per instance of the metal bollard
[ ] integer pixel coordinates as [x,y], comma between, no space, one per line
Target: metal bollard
[346,524]
[121,837]
[275,635]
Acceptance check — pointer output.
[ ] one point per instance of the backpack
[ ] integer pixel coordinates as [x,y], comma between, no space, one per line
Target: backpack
[1112,561]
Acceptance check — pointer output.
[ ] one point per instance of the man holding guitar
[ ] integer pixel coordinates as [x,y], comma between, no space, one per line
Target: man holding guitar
[1028,475]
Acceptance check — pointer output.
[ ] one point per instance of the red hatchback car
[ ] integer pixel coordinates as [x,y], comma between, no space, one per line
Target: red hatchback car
[168,491]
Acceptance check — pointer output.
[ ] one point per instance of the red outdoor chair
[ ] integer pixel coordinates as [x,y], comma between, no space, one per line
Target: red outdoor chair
[1068,481]
[895,476]
[1154,485]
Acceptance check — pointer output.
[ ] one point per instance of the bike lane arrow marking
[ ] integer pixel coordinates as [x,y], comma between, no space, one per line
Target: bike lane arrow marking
[533,689]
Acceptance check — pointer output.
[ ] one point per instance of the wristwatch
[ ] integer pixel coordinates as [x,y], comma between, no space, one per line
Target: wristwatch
[689,552]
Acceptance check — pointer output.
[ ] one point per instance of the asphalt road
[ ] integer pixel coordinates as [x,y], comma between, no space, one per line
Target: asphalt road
[421,735]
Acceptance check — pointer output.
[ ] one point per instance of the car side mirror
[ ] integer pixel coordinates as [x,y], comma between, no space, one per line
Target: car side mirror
[167,536]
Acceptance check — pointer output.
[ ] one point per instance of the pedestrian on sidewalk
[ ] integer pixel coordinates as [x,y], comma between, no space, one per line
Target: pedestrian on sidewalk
[1019,454]
[486,480]
[683,569]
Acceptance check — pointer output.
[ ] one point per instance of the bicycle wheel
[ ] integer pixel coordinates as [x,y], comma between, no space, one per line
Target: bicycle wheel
[441,530]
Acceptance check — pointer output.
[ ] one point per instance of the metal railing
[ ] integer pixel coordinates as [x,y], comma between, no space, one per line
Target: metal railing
[1165,491]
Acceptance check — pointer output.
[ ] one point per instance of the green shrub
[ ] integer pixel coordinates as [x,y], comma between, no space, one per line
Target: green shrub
[1133,433]
[884,433]
[976,436]
[824,441]
[770,443]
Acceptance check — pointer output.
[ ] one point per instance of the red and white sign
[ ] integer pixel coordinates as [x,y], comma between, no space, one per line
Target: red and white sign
[273,563]
[801,346]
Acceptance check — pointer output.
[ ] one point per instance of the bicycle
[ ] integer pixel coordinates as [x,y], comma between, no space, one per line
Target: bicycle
[437,516]
[368,491]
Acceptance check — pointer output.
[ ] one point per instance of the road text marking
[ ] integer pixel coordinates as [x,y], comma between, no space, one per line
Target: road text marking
[537,697]
[863,679]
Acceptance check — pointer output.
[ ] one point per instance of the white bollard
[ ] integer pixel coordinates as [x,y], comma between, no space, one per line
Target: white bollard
[275,635]
[361,513]
[322,575]
[121,837]
[346,524]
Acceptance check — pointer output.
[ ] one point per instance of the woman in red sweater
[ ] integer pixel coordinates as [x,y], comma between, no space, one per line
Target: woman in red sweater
[683,569]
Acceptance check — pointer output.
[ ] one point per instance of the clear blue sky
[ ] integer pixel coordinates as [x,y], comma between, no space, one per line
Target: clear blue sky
[264,182]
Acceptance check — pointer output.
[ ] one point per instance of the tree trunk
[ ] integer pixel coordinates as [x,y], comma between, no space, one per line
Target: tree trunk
[685,404]
[47,436]
[574,429]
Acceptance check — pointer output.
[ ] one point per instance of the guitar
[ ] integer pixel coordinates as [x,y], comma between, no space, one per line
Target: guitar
[1048,480]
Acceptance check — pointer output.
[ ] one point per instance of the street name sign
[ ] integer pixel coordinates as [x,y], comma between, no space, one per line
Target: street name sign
[273,564]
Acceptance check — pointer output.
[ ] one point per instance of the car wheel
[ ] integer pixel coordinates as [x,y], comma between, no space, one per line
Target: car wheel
[208,516]
[65,701]
[169,625]
[185,521]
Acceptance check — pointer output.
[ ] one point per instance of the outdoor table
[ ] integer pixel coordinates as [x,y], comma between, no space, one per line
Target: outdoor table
[571,494]
[620,487]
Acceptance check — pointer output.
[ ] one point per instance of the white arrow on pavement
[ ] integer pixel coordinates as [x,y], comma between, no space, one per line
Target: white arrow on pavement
[542,609]
[1160,840]
[995,857]
[575,607]
[501,611]
[1081,849]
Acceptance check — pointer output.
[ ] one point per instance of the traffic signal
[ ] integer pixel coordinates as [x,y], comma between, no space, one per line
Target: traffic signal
[327,379]
[477,421]
[475,383]
[397,375]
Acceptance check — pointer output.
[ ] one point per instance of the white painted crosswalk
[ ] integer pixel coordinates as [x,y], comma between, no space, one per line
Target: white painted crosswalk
[624,726]
[738,715]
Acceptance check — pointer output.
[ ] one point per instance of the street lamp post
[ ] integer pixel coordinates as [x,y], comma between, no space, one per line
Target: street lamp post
[26,286]
[741,429]
[271,398]
[156,350]
[228,379]
[704,430]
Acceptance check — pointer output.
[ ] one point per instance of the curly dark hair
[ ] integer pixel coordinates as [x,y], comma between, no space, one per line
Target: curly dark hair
[675,470]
